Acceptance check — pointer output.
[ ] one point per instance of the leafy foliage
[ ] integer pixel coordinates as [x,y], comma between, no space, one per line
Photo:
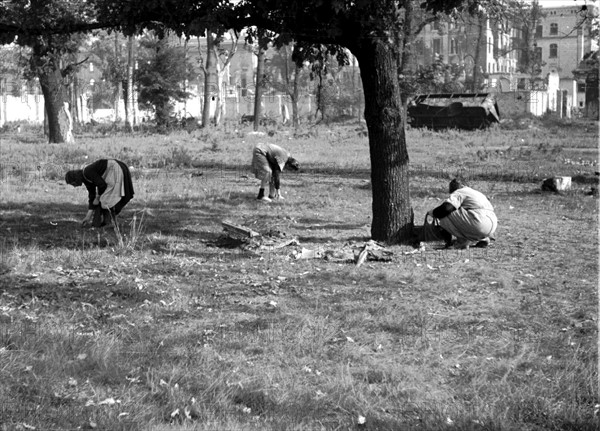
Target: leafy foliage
[161,72]
[439,77]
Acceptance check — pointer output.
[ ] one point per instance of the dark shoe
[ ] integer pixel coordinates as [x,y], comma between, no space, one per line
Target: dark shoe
[462,244]
[483,243]
[97,218]
[446,236]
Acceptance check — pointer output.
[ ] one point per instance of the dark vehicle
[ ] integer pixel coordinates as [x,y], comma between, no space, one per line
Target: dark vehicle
[467,111]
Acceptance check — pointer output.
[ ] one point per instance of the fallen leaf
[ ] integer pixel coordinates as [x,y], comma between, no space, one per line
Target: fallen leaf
[108,402]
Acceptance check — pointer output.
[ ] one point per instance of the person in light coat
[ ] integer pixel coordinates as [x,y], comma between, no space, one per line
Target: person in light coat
[466,214]
[268,162]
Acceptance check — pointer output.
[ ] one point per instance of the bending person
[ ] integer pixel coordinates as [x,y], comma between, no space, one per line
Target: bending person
[109,186]
[268,162]
[468,215]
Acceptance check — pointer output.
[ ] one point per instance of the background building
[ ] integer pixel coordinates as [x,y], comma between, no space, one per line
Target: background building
[562,39]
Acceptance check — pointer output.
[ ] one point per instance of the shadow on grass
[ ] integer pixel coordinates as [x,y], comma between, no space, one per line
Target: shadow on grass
[170,226]
[92,292]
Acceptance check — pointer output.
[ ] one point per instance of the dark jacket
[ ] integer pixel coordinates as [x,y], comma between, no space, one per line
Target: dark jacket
[92,179]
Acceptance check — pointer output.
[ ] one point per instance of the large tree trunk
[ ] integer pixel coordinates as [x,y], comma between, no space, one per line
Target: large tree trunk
[60,125]
[392,213]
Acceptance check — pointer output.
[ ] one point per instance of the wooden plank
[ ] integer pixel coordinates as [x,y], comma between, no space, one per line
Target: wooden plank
[240,230]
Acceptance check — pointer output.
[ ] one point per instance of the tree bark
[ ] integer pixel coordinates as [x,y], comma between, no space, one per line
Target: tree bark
[119,83]
[477,57]
[295,96]
[210,77]
[392,213]
[258,89]
[222,68]
[129,102]
[60,125]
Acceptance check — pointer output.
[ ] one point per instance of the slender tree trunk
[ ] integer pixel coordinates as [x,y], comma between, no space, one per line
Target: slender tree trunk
[129,103]
[406,67]
[477,57]
[392,213]
[319,96]
[119,87]
[258,90]
[220,106]
[210,77]
[73,100]
[295,96]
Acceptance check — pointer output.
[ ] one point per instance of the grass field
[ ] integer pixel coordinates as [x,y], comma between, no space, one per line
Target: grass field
[171,324]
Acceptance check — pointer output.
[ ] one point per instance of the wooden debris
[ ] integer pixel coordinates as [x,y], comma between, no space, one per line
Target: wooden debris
[370,249]
[238,230]
[362,256]
[274,246]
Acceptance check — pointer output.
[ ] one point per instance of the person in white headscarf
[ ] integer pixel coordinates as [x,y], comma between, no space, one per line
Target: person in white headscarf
[468,215]
[268,162]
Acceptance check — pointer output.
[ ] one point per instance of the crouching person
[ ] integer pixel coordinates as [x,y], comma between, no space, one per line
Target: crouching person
[468,215]
[109,186]
[268,162]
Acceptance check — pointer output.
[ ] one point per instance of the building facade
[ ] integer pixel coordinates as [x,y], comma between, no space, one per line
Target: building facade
[563,37]
[492,52]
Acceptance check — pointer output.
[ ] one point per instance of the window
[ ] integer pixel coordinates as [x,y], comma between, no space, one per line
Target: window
[437,46]
[244,82]
[553,29]
[537,54]
[453,49]
[539,31]
[553,50]
[581,87]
